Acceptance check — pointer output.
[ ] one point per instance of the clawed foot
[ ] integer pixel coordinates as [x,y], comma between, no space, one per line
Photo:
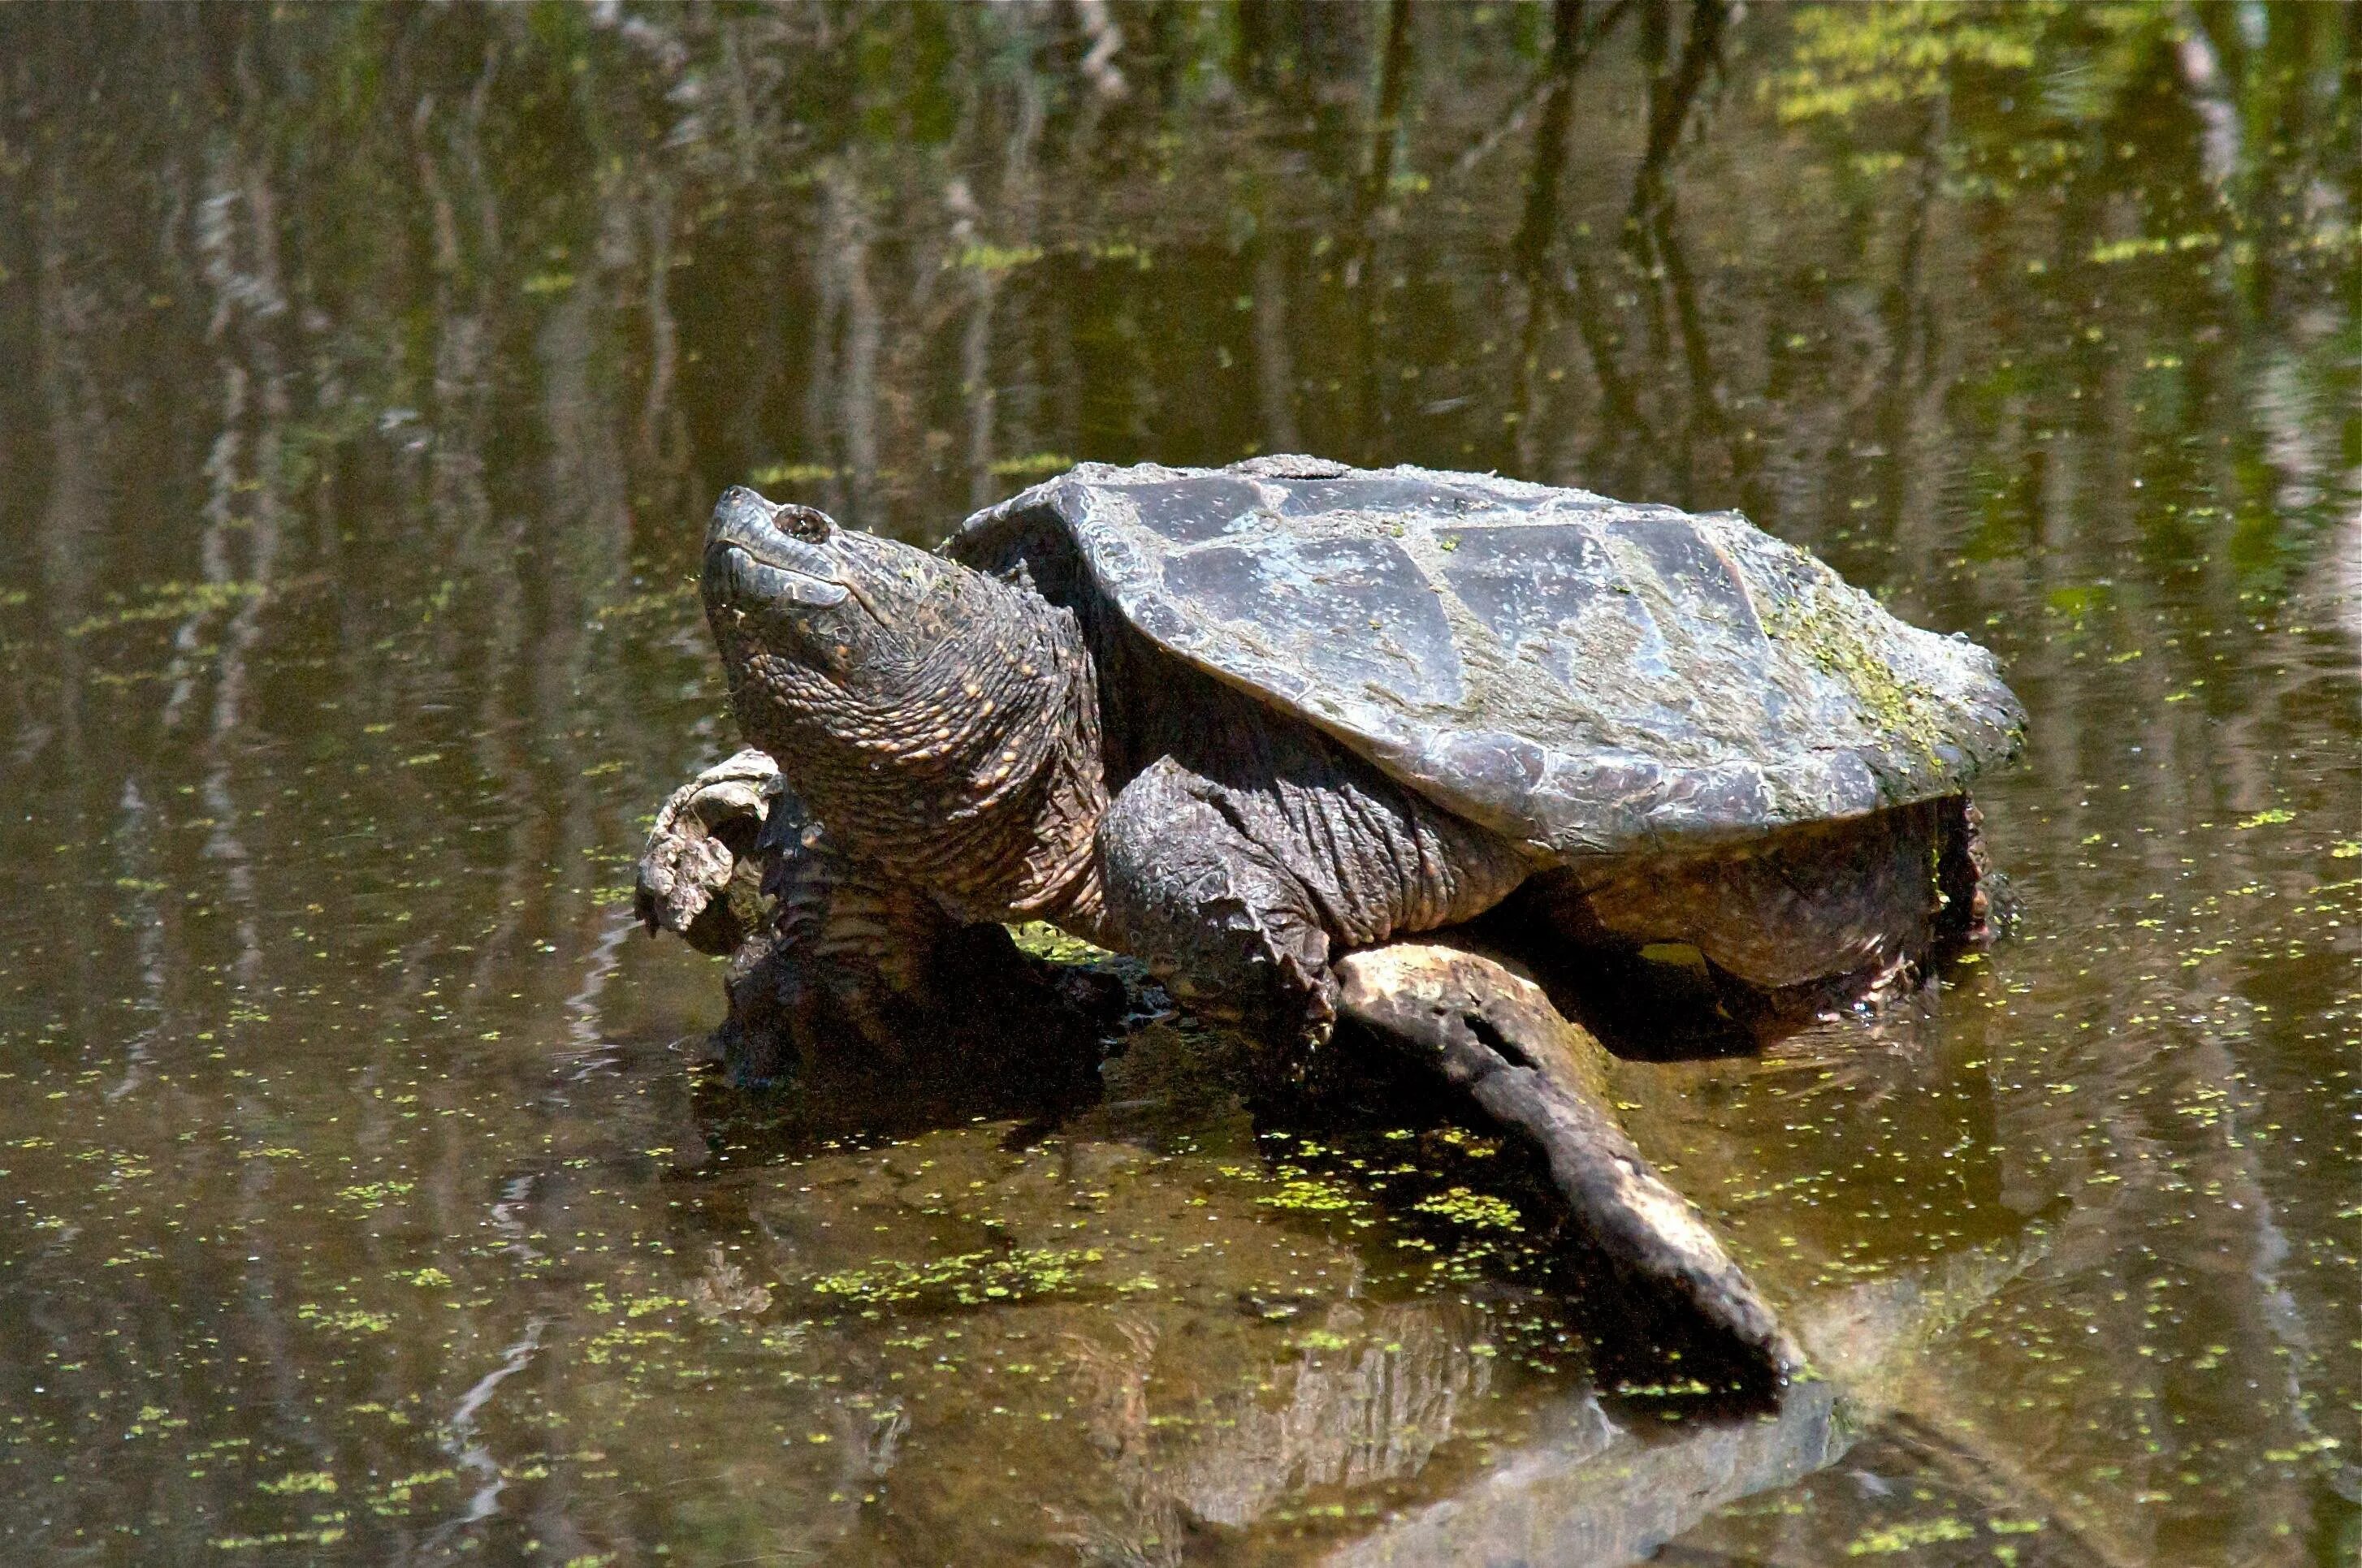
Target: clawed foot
[1496,1037]
[698,877]
[835,965]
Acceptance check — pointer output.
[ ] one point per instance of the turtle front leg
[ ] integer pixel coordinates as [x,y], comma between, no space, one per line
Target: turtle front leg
[834,960]
[1216,915]
[699,877]
[821,950]
[1239,893]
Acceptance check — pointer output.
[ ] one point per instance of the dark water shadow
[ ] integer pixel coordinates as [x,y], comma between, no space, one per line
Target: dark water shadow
[862,1100]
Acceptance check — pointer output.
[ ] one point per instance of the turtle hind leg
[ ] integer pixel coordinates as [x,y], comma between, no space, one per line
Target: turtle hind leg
[1977,903]
[1814,920]
[1495,1036]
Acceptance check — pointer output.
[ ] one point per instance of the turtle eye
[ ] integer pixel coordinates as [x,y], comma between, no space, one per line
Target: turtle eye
[813,527]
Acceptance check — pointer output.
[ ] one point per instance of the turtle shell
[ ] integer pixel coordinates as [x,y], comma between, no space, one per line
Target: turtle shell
[1588,676]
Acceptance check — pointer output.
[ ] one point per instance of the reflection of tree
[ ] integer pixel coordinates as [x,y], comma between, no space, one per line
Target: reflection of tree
[1536,248]
[841,405]
[1651,231]
[1372,202]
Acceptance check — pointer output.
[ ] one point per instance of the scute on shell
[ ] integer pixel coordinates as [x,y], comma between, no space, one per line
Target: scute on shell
[1587,674]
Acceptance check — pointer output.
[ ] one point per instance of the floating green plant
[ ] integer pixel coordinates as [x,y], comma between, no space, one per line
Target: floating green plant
[983,257]
[970,1279]
[1311,1195]
[299,1482]
[374,1194]
[792,474]
[1032,466]
[171,601]
[1478,1210]
[347,1321]
[1908,1537]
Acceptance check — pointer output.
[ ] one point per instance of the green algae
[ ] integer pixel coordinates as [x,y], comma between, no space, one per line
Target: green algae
[1909,1537]
[1823,619]
[345,1321]
[171,601]
[1852,60]
[304,1481]
[1475,1211]
[1032,466]
[1311,1195]
[968,1279]
[793,474]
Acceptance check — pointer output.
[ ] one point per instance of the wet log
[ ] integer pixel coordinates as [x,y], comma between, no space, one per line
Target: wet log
[1493,1035]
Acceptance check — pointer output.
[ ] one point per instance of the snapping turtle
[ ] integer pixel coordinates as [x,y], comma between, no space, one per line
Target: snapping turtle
[1251,724]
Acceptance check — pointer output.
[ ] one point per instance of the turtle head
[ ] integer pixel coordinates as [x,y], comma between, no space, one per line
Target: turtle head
[790,579]
[903,693]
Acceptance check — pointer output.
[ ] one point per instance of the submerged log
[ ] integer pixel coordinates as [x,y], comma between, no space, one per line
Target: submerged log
[1493,1035]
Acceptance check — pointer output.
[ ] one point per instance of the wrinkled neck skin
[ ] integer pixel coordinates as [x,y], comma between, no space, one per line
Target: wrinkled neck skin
[939,723]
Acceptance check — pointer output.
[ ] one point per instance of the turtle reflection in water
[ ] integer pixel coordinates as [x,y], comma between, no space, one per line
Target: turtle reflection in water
[1237,1377]
[1256,726]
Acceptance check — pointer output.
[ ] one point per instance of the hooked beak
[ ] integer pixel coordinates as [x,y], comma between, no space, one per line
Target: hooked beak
[756,554]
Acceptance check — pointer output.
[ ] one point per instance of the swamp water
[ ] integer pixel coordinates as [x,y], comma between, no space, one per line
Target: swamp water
[369,376]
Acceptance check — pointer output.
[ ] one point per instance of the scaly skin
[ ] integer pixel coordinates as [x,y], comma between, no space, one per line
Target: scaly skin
[944,725]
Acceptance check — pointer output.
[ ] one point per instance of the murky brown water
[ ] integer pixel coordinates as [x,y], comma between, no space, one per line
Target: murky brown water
[370,375]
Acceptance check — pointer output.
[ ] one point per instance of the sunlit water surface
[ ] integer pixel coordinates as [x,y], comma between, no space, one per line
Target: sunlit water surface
[368,376]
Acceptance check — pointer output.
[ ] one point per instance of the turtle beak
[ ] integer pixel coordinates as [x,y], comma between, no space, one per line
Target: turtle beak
[758,556]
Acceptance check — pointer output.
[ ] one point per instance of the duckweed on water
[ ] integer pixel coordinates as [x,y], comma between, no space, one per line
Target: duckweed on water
[374,1194]
[327,1535]
[171,601]
[791,474]
[1909,1537]
[1032,466]
[1477,1211]
[350,1321]
[1310,1195]
[969,1279]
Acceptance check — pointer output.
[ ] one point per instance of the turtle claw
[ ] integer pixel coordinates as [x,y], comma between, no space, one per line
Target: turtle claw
[702,834]
[1495,1035]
